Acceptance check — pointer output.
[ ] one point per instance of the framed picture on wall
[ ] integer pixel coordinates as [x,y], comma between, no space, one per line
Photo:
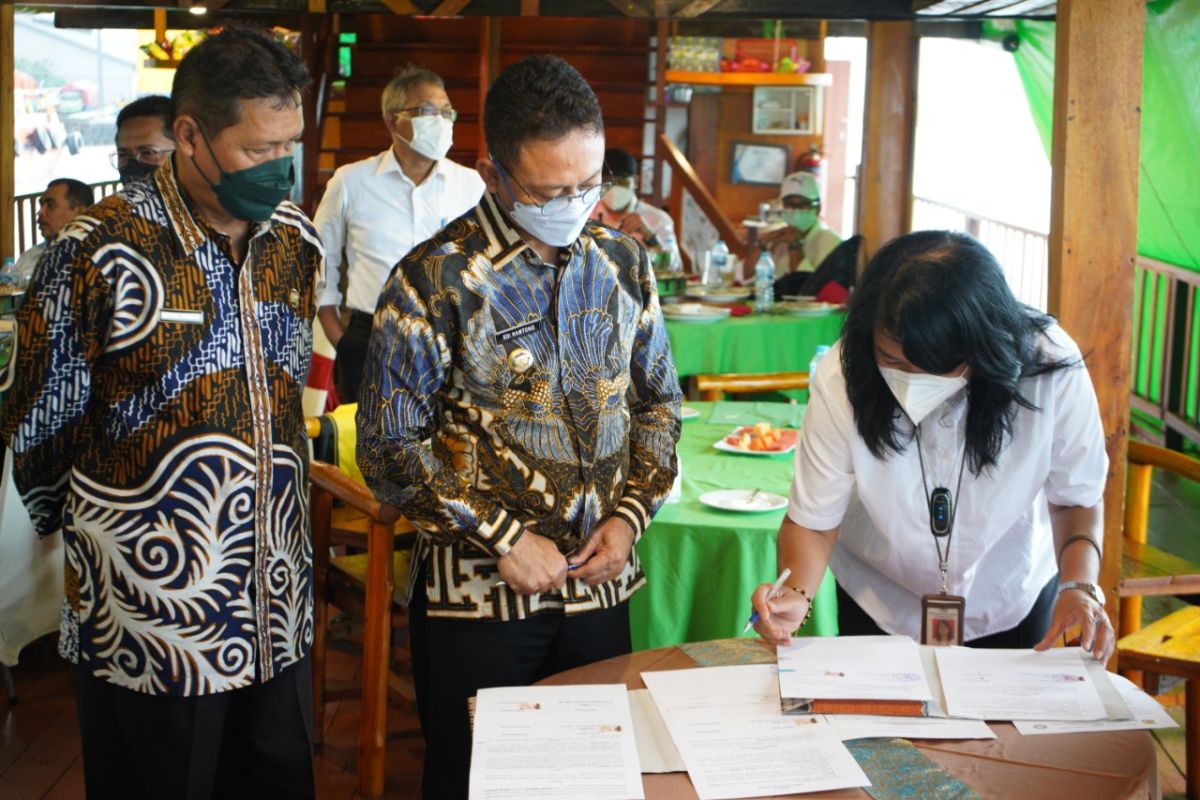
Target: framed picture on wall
[762,164]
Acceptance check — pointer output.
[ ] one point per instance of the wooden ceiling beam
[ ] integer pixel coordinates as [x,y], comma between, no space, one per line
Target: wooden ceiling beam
[695,8]
[449,8]
[402,7]
[630,8]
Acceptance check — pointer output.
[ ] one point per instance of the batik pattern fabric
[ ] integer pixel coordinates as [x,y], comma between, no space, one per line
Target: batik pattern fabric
[548,395]
[156,422]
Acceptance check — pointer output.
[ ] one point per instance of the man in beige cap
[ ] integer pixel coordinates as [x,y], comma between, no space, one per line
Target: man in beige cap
[806,241]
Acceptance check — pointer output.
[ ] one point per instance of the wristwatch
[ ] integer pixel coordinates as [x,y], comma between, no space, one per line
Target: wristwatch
[1092,589]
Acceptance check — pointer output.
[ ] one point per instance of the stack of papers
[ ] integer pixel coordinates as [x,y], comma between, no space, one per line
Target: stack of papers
[727,728]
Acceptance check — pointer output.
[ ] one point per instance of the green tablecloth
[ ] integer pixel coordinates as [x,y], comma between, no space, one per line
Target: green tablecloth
[753,343]
[703,563]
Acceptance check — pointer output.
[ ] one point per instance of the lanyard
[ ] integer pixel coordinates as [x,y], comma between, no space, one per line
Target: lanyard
[943,509]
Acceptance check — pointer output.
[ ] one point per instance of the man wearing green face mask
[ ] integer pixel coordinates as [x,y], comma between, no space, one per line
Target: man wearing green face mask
[156,426]
[806,241]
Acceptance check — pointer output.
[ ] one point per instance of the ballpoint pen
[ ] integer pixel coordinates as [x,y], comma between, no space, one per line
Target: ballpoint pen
[771,595]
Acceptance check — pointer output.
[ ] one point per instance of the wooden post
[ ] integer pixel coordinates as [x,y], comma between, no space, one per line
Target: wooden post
[662,33]
[1093,218]
[489,68]
[885,191]
[8,184]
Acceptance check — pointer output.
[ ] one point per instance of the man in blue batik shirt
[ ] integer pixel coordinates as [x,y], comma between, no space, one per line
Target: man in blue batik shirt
[528,345]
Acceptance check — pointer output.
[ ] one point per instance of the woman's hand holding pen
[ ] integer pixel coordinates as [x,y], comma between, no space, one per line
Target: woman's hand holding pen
[780,615]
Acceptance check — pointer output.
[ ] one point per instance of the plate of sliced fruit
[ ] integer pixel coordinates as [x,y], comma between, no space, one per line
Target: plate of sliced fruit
[758,440]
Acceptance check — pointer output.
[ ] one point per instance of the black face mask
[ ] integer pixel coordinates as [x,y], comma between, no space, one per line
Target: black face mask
[134,170]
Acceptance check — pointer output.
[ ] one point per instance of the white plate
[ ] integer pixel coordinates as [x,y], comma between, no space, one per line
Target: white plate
[694,312]
[721,444]
[806,308]
[718,295]
[803,298]
[688,413]
[740,500]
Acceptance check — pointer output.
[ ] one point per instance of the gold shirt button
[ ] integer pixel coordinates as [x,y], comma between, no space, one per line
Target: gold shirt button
[294,298]
[520,360]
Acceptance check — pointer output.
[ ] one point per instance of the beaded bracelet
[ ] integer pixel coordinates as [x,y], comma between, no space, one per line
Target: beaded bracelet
[1081,537]
[808,613]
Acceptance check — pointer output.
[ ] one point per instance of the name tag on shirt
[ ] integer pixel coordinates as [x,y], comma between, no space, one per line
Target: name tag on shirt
[517,331]
[182,315]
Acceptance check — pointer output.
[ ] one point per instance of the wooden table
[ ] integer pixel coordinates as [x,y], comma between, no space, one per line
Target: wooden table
[1098,766]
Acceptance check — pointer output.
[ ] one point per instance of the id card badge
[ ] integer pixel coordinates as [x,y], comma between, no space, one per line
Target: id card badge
[942,619]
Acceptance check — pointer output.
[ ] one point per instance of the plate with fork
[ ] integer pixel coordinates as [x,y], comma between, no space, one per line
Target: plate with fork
[744,500]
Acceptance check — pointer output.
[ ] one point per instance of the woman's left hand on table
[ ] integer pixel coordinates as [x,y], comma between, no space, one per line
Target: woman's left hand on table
[1077,607]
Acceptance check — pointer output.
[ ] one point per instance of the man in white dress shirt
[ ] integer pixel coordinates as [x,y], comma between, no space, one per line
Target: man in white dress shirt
[375,210]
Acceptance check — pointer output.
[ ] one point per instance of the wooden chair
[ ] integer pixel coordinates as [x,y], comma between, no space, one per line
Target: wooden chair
[1171,645]
[372,586]
[715,387]
[1145,569]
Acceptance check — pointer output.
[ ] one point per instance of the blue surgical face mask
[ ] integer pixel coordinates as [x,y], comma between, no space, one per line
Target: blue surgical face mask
[558,229]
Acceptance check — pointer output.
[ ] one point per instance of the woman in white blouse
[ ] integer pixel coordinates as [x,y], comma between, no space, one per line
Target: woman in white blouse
[951,466]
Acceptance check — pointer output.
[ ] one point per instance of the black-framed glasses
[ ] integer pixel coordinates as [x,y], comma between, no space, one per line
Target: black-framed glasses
[554,205]
[429,110]
[154,156]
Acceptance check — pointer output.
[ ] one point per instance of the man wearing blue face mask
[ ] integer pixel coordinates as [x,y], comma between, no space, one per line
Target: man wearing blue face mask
[156,425]
[622,209]
[376,210]
[529,347]
[807,240]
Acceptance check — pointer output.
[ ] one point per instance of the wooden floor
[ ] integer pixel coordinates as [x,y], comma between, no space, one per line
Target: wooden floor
[40,752]
[39,739]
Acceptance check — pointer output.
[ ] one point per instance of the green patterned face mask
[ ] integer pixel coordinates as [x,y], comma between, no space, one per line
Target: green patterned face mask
[252,194]
[800,219]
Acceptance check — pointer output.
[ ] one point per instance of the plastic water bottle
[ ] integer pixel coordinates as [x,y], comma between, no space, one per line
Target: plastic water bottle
[718,262]
[822,349]
[764,283]
[8,273]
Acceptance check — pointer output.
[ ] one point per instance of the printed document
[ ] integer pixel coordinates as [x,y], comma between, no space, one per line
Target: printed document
[554,743]
[852,668]
[1018,684]
[1145,710]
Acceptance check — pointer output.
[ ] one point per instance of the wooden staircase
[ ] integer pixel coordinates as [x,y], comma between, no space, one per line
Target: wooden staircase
[467,52]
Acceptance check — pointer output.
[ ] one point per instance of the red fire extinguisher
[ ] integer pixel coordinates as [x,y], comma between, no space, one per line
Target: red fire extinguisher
[813,162]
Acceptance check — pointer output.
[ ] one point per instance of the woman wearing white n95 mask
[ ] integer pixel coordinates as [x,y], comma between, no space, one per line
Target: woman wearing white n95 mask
[951,465]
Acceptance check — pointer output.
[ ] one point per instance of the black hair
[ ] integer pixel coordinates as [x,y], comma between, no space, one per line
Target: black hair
[620,163]
[152,105]
[78,193]
[944,297]
[540,97]
[239,63]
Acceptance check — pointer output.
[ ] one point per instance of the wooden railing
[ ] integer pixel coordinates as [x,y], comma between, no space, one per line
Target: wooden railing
[26,233]
[1022,252]
[321,46]
[1166,352]
[684,178]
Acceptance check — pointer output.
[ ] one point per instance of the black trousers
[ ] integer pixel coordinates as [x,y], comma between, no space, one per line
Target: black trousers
[853,621]
[351,353]
[254,742]
[453,659]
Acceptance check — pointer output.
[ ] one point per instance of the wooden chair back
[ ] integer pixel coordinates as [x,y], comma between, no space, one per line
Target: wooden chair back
[1146,569]
[715,387]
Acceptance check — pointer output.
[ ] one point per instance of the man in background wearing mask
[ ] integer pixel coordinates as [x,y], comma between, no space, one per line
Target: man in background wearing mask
[622,209]
[378,209]
[143,137]
[64,200]
[806,241]
[156,423]
[529,346]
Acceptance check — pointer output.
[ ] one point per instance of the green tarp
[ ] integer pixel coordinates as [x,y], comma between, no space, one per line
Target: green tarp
[1168,200]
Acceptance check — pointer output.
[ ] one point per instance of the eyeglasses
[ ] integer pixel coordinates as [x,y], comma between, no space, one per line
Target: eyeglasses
[429,110]
[551,207]
[147,155]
